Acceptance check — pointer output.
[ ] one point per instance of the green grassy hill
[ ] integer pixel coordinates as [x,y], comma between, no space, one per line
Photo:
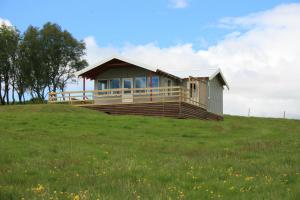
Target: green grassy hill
[64,152]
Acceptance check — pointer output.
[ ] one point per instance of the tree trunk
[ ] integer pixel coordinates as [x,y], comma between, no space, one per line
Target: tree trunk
[1,97]
[24,98]
[20,98]
[13,93]
[6,89]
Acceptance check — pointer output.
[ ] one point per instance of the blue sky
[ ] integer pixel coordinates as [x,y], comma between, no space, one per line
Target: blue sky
[117,22]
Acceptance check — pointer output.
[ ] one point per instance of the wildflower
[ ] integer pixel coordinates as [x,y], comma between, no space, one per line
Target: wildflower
[76,197]
[249,178]
[231,188]
[181,194]
[38,189]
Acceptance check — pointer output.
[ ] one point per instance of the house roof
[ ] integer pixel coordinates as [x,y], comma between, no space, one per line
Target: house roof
[209,73]
[148,67]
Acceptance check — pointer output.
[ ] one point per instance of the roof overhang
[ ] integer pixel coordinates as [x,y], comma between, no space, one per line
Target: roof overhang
[158,71]
[219,72]
[83,72]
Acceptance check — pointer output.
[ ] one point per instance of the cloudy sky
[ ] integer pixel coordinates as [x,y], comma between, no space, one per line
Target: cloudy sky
[255,43]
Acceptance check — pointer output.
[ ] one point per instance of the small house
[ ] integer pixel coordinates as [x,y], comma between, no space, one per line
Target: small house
[123,86]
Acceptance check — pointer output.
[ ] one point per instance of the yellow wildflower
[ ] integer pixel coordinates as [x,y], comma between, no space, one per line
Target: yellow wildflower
[76,197]
[249,178]
[38,189]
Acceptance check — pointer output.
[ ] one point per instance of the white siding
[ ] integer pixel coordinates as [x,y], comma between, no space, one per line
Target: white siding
[215,96]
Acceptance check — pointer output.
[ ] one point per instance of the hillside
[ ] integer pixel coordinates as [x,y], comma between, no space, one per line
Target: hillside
[64,152]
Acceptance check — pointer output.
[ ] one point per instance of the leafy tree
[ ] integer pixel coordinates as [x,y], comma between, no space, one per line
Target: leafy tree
[20,83]
[9,38]
[62,55]
[42,60]
[33,66]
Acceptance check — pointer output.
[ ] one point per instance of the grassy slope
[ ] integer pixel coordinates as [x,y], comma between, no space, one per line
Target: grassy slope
[61,151]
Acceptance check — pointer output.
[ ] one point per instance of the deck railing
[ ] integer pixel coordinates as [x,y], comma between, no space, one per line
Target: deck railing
[124,95]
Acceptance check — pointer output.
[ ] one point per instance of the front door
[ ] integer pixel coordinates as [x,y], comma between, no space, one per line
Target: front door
[127,94]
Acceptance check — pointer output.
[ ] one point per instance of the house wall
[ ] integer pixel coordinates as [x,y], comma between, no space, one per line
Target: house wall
[130,72]
[215,96]
[201,90]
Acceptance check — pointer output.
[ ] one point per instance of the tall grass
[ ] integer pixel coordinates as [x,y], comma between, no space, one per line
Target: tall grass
[65,152]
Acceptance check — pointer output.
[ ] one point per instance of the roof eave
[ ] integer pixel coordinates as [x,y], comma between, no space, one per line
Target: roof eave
[222,76]
[81,72]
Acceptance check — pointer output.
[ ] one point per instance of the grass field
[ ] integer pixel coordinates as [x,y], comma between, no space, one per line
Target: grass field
[64,152]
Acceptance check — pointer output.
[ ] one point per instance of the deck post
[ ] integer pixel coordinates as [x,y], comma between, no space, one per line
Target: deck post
[150,75]
[198,88]
[83,88]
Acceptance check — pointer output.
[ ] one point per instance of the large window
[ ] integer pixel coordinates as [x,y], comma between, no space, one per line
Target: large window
[102,85]
[115,84]
[140,82]
[154,82]
[127,85]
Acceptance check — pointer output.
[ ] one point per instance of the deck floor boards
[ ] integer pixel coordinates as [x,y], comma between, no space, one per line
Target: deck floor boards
[167,109]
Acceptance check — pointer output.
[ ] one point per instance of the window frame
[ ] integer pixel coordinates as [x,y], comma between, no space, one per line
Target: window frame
[148,81]
[143,88]
[107,86]
[110,85]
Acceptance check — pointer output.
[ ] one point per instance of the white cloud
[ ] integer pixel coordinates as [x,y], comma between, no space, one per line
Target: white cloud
[5,21]
[178,4]
[261,64]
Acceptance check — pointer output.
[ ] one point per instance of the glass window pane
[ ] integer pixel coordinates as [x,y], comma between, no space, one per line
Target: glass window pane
[155,81]
[127,83]
[102,84]
[140,82]
[114,83]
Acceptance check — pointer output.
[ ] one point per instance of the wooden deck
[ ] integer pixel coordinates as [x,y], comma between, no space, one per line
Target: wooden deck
[125,96]
[179,110]
[163,101]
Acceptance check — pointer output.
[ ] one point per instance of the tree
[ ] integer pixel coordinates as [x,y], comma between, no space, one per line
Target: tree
[20,83]
[9,38]
[62,55]
[42,60]
[33,66]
